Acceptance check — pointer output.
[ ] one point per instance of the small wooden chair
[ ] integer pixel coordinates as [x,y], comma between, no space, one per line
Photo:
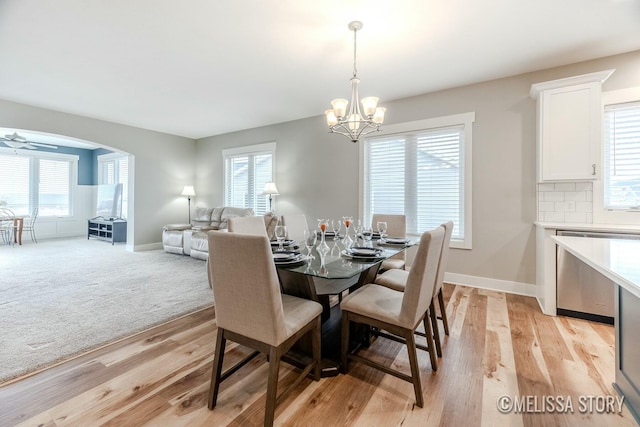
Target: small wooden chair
[251,311]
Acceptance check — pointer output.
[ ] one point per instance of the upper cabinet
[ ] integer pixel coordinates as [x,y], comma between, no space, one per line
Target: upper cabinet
[569,128]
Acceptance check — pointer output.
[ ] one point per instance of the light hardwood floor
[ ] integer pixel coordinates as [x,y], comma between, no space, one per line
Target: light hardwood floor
[499,345]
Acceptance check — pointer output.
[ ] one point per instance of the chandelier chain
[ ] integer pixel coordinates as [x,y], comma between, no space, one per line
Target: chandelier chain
[355,69]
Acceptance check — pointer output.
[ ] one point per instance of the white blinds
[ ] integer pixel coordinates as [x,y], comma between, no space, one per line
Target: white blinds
[622,156]
[418,174]
[245,176]
[34,180]
[55,188]
[14,183]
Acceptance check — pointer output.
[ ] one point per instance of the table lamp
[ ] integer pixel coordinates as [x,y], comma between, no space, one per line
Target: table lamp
[189,192]
[271,190]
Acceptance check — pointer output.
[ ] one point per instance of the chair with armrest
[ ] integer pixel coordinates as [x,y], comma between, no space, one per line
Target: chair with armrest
[251,311]
[397,279]
[399,313]
[296,225]
[396,227]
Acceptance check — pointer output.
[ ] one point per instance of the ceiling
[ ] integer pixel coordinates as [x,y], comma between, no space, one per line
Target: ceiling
[198,68]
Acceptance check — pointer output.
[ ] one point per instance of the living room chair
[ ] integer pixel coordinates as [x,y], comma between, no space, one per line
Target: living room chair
[247,225]
[30,226]
[397,280]
[396,227]
[296,225]
[251,311]
[399,313]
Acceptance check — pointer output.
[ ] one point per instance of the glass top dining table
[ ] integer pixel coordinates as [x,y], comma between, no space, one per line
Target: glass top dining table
[337,264]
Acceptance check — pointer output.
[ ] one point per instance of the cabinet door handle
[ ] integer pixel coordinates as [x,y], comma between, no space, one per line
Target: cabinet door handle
[594,169]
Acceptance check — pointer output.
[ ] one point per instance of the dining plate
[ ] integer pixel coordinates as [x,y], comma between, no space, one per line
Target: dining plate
[395,240]
[364,251]
[285,243]
[361,257]
[285,256]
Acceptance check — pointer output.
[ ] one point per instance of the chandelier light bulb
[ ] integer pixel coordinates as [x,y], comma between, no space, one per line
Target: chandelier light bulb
[369,105]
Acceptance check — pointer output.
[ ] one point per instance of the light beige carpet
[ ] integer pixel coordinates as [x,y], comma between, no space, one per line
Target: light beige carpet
[59,298]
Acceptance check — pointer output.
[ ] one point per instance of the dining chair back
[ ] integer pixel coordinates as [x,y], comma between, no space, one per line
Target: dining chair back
[396,224]
[296,225]
[30,226]
[247,225]
[399,313]
[251,311]
[7,225]
[396,227]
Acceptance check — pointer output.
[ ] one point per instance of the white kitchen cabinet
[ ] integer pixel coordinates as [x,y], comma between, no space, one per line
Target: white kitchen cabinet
[569,127]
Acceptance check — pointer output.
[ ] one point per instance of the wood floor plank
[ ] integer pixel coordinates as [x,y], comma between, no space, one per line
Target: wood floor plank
[499,345]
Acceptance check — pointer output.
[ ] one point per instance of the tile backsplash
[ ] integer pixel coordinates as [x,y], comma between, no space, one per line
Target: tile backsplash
[565,202]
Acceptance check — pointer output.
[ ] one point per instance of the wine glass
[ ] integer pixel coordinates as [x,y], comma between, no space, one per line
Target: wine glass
[347,239]
[335,226]
[367,235]
[382,229]
[357,229]
[281,235]
[322,224]
[310,240]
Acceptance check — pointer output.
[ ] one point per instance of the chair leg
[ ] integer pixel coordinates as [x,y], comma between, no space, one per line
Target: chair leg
[272,386]
[344,346]
[217,368]
[443,312]
[33,236]
[434,326]
[415,371]
[430,346]
[316,342]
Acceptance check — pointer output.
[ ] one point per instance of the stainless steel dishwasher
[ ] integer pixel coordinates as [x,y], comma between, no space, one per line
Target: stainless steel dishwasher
[582,291]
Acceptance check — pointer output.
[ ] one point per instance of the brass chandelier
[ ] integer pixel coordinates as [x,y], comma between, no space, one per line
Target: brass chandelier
[356,122]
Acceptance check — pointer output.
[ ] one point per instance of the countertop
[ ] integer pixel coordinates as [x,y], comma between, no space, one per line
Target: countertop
[617,259]
[605,228]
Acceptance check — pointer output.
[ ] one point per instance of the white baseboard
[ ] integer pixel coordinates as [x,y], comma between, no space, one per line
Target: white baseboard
[147,247]
[507,286]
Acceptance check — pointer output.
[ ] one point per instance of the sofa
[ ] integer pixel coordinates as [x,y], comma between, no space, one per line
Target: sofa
[191,239]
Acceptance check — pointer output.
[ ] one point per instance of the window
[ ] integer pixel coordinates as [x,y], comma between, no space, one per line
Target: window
[114,169]
[246,170]
[37,180]
[622,156]
[422,170]
[616,196]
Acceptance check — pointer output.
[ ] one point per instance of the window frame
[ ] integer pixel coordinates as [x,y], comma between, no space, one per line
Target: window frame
[249,150]
[34,172]
[115,158]
[600,213]
[465,120]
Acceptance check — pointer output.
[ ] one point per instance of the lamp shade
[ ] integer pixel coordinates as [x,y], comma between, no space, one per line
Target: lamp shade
[270,188]
[188,191]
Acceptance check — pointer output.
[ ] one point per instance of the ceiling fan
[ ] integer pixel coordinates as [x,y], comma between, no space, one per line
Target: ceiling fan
[16,141]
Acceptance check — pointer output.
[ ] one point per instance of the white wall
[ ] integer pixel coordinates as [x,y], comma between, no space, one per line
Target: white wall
[162,164]
[317,173]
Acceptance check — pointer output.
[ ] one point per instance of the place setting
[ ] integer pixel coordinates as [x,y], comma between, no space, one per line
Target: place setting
[288,258]
[364,253]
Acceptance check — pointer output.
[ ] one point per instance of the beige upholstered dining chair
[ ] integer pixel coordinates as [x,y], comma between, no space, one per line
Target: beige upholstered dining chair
[247,225]
[396,227]
[399,313]
[296,225]
[251,311]
[397,279]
